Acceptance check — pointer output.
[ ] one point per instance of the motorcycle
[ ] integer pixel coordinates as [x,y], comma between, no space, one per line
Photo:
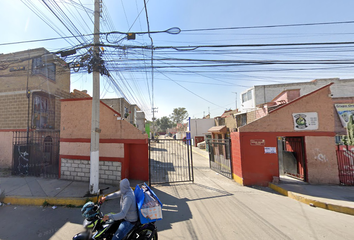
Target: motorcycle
[96,228]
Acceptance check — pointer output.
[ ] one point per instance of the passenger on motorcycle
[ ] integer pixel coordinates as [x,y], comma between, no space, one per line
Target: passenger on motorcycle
[129,211]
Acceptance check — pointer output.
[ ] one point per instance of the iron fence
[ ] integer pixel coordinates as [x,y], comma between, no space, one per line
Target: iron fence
[345,160]
[36,153]
[170,161]
[220,156]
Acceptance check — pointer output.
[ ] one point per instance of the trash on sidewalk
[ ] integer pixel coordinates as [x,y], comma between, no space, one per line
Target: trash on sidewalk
[54,207]
[312,205]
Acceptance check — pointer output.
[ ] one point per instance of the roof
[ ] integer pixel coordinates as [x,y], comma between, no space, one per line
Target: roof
[218,129]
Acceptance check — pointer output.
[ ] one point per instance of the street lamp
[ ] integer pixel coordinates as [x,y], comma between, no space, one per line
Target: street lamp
[131,35]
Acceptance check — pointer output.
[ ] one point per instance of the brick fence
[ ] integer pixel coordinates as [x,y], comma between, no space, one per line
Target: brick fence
[79,170]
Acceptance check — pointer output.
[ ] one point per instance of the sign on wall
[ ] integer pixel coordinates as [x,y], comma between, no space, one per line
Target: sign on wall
[257,142]
[344,112]
[305,121]
[271,150]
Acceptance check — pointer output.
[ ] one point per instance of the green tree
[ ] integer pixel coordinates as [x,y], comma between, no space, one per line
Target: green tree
[179,115]
[164,123]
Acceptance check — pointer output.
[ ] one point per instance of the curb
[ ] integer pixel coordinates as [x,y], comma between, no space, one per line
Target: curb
[315,203]
[34,201]
[199,153]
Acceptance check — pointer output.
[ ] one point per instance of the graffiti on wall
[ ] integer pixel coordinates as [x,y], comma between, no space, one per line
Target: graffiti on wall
[320,156]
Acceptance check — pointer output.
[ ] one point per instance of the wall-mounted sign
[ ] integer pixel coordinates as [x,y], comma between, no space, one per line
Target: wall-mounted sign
[13,69]
[257,142]
[344,112]
[305,121]
[271,150]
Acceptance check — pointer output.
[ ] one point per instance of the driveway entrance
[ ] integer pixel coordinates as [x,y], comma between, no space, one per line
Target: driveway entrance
[170,161]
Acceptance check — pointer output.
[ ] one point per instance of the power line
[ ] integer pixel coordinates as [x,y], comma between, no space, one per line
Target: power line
[269,26]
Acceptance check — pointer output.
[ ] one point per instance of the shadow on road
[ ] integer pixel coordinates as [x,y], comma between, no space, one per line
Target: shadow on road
[176,209]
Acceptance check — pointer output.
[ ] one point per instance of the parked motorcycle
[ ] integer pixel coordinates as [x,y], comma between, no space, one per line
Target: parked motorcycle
[97,229]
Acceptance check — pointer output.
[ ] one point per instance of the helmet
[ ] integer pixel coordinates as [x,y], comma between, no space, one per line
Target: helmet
[89,210]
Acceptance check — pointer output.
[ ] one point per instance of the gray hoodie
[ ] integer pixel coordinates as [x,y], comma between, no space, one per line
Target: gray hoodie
[129,211]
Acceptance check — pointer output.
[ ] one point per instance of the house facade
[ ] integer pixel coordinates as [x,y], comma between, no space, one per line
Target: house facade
[30,91]
[261,94]
[199,129]
[295,137]
[123,149]
[128,111]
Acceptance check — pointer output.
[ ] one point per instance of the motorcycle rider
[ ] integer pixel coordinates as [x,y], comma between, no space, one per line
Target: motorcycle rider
[129,211]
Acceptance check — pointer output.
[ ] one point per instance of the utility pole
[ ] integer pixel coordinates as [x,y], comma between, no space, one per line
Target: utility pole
[95,120]
[235,100]
[153,119]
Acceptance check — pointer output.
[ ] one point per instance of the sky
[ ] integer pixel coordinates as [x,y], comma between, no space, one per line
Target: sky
[224,47]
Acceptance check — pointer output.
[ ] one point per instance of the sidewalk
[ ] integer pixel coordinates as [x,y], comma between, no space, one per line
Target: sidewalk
[37,191]
[332,197]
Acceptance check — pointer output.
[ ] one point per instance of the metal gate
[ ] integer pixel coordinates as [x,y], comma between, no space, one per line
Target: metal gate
[345,160]
[170,161]
[36,153]
[220,156]
[295,145]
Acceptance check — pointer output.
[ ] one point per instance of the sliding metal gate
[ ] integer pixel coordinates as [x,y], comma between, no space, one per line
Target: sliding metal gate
[220,156]
[170,161]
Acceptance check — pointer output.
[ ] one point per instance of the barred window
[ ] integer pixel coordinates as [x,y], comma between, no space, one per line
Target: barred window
[44,69]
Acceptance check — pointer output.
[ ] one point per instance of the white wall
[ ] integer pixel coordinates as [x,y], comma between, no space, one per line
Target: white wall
[266,93]
[199,127]
[140,121]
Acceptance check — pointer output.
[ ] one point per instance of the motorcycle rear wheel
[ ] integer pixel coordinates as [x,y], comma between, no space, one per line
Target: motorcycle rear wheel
[146,234]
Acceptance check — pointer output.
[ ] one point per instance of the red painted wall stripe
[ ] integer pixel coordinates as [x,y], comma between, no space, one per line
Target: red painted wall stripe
[293,134]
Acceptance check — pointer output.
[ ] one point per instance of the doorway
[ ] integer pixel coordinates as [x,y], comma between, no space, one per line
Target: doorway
[291,155]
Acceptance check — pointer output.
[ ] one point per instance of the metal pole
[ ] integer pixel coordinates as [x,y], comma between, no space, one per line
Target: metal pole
[95,120]
[28,94]
[149,181]
[192,163]
[235,100]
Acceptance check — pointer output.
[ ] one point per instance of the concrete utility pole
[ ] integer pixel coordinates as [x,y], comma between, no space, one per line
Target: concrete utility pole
[95,120]
[235,100]
[153,119]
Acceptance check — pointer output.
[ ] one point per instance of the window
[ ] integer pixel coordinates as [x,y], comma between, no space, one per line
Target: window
[44,69]
[43,112]
[126,112]
[247,96]
[244,97]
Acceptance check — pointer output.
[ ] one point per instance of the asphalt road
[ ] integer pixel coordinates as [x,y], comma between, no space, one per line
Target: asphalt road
[213,207]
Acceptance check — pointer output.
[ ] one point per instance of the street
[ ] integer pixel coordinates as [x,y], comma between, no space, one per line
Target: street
[213,207]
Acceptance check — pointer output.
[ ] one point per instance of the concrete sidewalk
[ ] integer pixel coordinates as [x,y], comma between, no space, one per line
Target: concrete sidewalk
[332,197]
[37,191]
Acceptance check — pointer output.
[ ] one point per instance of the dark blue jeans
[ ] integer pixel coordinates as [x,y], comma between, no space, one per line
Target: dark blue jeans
[123,229]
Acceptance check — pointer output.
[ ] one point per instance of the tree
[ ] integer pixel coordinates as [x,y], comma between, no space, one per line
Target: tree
[179,115]
[164,123]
